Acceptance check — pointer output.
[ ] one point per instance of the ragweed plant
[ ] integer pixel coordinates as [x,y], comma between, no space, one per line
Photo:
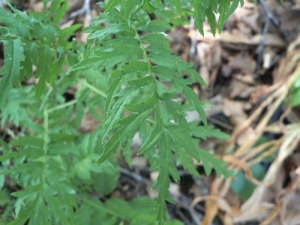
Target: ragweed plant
[121,73]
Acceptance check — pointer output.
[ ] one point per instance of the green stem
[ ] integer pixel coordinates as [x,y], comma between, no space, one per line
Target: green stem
[138,9]
[93,88]
[62,106]
[45,146]
[46,98]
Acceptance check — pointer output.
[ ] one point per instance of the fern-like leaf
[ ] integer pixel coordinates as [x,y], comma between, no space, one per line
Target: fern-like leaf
[165,165]
[12,65]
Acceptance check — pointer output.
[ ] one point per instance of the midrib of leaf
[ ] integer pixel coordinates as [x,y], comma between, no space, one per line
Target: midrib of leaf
[45,144]
[113,119]
[115,112]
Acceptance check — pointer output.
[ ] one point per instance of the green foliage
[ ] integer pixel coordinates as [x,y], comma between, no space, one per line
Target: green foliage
[53,162]
[295,93]
[242,186]
[208,8]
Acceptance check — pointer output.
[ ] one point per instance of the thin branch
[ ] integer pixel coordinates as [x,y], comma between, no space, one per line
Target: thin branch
[85,9]
[269,14]
[261,46]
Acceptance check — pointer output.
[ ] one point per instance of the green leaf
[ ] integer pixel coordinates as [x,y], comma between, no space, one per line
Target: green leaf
[141,81]
[115,112]
[140,107]
[25,214]
[14,55]
[164,164]
[155,38]
[41,87]
[123,53]
[5,86]
[209,131]
[193,98]
[113,88]
[165,60]
[43,72]
[296,98]
[152,140]
[154,26]
[27,64]
[242,186]
[136,67]
[183,139]
[165,73]
[144,212]
[111,147]
[105,182]
[148,6]
[127,128]
[197,77]
[86,64]
[185,160]
[111,4]
[130,8]
[199,14]
[58,8]
[132,123]
[28,141]
[209,160]
[211,15]
[32,189]
[118,207]
[226,8]
[112,29]
[177,113]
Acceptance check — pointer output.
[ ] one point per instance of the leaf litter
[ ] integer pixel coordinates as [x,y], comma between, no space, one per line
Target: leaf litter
[253,92]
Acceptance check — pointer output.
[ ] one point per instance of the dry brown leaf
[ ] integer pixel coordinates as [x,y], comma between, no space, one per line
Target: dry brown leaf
[226,71]
[271,39]
[83,36]
[234,110]
[180,43]
[268,57]
[202,51]
[204,74]
[89,123]
[243,63]
[214,55]
[74,5]
[260,94]
[235,36]
[244,29]
[247,9]
[240,89]
[247,78]
[138,162]
[234,201]
[251,21]
[36,6]
[208,36]
[67,24]
[290,22]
